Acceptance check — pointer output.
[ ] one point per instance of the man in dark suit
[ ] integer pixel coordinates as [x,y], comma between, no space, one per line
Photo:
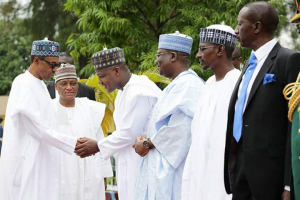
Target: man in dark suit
[83,90]
[257,152]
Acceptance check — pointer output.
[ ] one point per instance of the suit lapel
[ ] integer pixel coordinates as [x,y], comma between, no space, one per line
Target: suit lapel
[264,69]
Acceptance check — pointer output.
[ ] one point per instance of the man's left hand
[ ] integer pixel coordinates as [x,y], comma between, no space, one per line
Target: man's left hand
[87,148]
[139,147]
[285,195]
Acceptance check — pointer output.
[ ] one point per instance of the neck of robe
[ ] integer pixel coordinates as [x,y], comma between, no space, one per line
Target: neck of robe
[221,71]
[67,103]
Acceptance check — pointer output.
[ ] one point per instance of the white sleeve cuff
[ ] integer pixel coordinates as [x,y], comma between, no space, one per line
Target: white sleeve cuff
[287,188]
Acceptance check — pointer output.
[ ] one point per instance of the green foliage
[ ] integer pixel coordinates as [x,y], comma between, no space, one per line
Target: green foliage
[49,19]
[15,46]
[135,26]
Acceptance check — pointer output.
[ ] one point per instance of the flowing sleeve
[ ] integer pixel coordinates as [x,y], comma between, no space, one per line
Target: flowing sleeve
[98,110]
[135,116]
[173,140]
[26,108]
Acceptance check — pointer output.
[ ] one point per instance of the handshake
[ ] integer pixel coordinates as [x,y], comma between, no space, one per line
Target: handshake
[86,147]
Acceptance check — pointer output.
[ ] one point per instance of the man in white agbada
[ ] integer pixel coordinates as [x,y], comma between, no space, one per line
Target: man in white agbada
[81,178]
[203,176]
[165,147]
[134,102]
[30,168]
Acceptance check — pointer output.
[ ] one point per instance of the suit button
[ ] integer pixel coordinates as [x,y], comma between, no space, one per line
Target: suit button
[299,130]
[299,109]
[299,157]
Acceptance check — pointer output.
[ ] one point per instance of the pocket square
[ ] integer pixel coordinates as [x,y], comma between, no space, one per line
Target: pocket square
[269,78]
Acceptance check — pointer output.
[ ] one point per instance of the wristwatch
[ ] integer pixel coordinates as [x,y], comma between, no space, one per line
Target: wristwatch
[146,143]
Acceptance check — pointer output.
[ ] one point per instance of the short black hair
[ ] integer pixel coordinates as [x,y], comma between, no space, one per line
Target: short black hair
[265,13]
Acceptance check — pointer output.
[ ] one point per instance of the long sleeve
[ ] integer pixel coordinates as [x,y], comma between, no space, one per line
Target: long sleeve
[134,120]
[29,110]
[173,139]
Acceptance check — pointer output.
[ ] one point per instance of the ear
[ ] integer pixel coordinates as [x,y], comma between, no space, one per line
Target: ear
[55,84]
[257,27]
[36,60]
[221,50]
[174,56]
[117,71]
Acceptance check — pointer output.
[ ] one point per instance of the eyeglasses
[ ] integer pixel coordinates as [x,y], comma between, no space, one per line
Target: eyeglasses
[203,48]
[298,26]
[159,54]
[52,64]
[65,84]
[235,58]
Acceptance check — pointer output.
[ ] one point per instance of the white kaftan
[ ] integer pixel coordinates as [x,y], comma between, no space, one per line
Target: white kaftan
[203,176]
[133,106]
[82,178]
[160,171]
[29,167]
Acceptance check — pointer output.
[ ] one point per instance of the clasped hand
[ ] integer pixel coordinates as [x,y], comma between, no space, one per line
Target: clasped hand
[139,147]
[86,147]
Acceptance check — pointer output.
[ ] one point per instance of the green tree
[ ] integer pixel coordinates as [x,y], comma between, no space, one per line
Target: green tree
[47,18]
[135,26]
[15,45]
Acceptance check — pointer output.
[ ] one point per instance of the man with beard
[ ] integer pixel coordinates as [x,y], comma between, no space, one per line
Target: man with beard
[203,175]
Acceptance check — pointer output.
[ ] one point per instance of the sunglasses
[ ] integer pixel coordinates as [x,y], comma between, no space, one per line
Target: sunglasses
[51,64]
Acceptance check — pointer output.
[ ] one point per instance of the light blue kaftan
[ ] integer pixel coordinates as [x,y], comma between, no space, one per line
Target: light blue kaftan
[160,171]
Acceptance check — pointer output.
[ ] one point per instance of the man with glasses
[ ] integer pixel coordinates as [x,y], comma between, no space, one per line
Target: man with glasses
[165,146]
[29,168]
[203,175]
[135,100]
[80,117]
[236,58]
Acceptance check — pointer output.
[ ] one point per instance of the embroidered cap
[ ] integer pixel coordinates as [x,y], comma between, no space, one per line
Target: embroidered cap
[45,48]
[218,34]
[65,71]
[176,42]
[108,58]
[296,18]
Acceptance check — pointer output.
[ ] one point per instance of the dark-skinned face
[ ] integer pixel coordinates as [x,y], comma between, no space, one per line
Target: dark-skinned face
[43,69]
[163,62]
[67,88]
[108,78]
[245,29]
[207,54]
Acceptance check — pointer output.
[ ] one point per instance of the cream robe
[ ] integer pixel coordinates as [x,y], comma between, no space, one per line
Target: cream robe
[203,175]
[133,106]
[82,178]
[29,167]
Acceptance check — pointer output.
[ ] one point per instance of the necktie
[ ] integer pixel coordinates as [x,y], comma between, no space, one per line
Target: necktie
[239,110]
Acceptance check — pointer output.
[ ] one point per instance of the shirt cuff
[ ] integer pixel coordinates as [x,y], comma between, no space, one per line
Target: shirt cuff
[287,188]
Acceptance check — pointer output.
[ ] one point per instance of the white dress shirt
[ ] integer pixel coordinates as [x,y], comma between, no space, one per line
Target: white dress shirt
[261,55]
